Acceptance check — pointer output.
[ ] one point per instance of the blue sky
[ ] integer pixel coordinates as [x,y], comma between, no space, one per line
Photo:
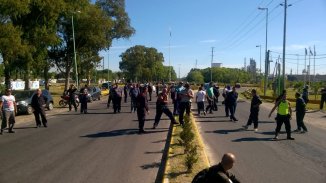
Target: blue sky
[232,27]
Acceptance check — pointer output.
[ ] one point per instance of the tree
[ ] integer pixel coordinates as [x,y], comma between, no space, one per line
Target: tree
[195,76]
[140,62]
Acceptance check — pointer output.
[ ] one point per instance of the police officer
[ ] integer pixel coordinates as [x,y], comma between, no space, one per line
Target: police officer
[323,98]
[216,95]
[116,98]
[284,114]
[161,107]
[142,109]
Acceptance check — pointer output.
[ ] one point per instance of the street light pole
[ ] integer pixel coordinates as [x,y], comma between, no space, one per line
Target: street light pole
[75,60]
[259,58]
[266,61]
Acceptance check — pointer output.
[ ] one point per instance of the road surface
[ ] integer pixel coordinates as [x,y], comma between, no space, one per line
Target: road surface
[259,158]
[95,147]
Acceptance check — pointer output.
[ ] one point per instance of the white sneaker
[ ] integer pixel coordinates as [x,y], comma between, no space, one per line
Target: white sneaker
[256,129]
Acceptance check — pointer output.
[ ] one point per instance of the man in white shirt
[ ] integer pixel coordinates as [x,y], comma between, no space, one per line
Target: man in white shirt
[9,109]
[200,99]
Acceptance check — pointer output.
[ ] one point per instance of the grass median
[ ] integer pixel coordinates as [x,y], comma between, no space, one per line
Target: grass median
[177,171]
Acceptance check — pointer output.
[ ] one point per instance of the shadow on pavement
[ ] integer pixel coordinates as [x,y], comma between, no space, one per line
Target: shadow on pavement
[113,133]
[251,139]
[266,122]
[225,131]
[177,174]
[22,128]
[152,165]
[213,121]
[154,152]
[159,141]
[209,116]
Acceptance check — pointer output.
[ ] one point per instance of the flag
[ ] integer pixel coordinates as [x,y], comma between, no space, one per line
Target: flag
[306,51]
[310,52]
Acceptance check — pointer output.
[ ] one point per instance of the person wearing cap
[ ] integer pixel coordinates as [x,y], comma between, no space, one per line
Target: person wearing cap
[254,110]
[142,109]
[72,97]
[300,109]
[161,107]
[9,109]
[284,115]
[185,102]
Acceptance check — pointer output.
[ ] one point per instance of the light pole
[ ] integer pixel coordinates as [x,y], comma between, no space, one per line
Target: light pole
[284,41]
[266,61]
[74,44]
[259,58]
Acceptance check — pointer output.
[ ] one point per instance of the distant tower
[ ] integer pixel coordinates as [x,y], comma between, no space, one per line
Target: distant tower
[245,64]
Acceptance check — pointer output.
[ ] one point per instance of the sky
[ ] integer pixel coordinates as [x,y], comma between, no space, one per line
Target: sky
[186,30]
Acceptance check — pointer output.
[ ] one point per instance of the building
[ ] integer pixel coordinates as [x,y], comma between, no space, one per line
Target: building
[218,65]
[252,67]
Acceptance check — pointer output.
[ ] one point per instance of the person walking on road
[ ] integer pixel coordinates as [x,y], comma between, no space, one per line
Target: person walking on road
[305,94]
[150,91]
[323,98]
[231,102]
[116,98]
[225,95]
[125,91]
[38,103]
[218,173]
[300,109]
[9,110]
[72,97]
[134,92]
[210,98]
[176,106]
[142,109]
[284,114]
[185,102]
[161,107]
[83,101]
[216,95]
[254,110]
[200,99]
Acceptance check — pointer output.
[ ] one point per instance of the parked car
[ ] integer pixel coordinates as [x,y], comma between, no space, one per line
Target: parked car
[106,85]
[94,93]
[24,100]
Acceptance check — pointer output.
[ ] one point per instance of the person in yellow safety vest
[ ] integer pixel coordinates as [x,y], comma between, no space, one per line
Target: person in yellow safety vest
[284,114]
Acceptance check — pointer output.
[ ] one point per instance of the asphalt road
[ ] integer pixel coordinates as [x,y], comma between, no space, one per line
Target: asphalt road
[259,158]
[95,147]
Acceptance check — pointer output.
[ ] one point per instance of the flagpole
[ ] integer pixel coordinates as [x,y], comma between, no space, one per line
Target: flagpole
[314,64]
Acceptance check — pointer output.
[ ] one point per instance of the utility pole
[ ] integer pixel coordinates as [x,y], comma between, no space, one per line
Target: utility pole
[196,64]
[284,41]
[179,71]
[212,64]
[310,53]
[266,59]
